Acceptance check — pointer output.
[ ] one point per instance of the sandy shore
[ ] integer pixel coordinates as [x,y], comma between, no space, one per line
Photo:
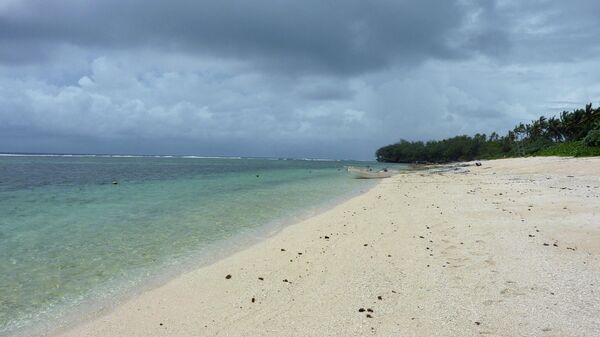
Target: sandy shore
[510,248]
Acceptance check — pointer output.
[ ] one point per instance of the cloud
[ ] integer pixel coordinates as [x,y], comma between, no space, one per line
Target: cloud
[312,78]
[307,36]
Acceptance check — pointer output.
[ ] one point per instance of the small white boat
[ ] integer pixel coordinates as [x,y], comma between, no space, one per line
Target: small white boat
[367,173]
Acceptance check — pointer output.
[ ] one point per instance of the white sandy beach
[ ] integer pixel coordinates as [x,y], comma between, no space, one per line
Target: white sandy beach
[510,248]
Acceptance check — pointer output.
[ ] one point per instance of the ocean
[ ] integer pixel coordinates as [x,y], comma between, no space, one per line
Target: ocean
[81,231]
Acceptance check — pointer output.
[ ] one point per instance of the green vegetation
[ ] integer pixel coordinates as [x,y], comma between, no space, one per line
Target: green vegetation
[575,149]
[574,133]
[592,138]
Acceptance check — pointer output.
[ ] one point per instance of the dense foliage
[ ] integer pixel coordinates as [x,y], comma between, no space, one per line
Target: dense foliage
[574,133]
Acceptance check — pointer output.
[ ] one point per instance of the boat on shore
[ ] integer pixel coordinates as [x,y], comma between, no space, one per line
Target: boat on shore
[368,173]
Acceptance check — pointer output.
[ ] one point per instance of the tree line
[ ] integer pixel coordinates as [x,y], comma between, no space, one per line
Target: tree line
[572,133]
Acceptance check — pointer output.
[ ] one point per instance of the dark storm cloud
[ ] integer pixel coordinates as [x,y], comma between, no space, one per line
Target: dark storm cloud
[547,30]
[314,35]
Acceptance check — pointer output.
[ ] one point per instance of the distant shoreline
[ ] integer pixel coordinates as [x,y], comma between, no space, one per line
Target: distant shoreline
[101,155]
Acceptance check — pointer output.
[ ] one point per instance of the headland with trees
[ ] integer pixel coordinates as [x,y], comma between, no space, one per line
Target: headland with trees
[572,133]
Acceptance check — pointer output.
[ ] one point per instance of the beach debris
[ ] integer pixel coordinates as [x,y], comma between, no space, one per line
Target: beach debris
[115,182]
[286,280]
[160,324]
[260,278]
[478,323]
[366,244]
[228,276]
[361,310]
[299,253]
[369,310]
[379,298]
[283,250]
[326,237]
[546,244]
[253,300]
[369,316]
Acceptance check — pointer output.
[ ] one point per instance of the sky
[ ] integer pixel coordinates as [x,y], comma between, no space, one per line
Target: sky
[275,78]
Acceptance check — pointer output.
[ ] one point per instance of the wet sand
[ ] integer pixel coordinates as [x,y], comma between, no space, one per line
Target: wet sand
[510,248]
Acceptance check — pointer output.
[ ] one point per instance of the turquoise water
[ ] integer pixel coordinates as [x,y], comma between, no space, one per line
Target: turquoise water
[69,236]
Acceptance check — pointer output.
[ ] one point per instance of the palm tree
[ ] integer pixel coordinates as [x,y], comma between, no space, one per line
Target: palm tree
[554,129]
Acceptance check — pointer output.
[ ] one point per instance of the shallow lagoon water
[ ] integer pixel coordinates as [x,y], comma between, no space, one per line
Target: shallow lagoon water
[69,236]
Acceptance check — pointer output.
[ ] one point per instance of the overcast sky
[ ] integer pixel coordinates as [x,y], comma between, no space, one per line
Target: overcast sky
[310,78]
